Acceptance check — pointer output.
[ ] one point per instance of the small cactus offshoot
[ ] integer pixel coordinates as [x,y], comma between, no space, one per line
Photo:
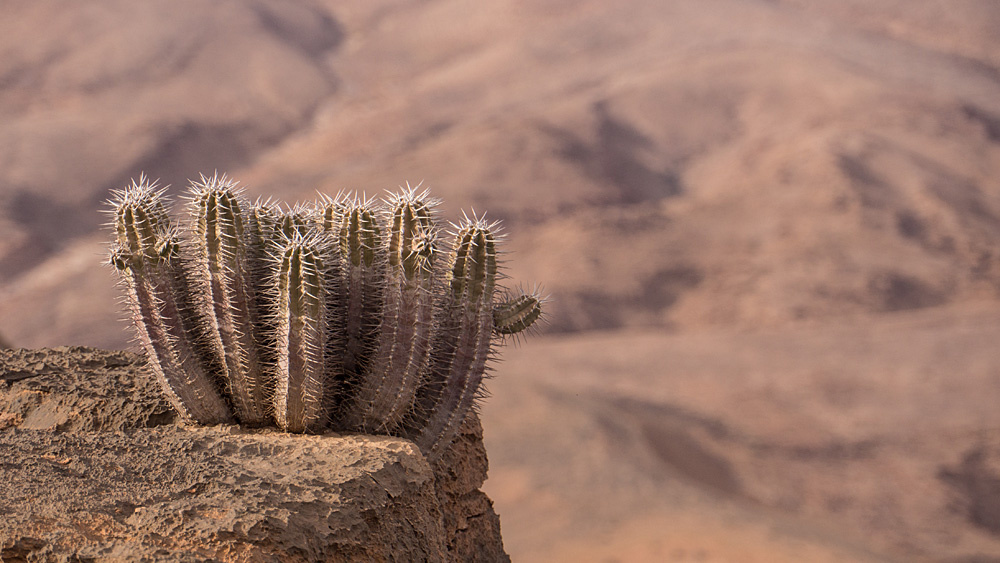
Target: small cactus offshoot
[348,314]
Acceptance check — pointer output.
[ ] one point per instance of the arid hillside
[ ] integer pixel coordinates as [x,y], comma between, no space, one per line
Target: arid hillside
[770,230]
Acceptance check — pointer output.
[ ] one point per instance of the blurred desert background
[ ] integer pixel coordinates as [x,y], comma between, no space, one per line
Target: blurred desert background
[770,230]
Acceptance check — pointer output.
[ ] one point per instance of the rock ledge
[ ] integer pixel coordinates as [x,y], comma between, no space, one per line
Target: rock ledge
[95,467]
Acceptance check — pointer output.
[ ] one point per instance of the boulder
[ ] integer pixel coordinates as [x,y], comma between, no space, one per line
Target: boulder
[95,466]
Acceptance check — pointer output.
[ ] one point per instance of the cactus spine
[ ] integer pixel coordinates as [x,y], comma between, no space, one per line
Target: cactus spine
[303,317]
[222,264]
[464,337]
[389,385]
[146,255]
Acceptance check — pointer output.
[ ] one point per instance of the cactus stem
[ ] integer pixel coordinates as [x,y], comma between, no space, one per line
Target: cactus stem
[222,254]
[399,363]
[303,365]
[462,345]
[517,313]
[146,256]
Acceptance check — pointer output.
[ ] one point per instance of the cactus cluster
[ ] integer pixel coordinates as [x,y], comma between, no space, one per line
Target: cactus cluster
[349,313]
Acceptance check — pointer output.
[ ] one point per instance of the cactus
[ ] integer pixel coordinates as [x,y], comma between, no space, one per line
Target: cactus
[146,255]
[303,324]
[518,313]
[297,220]
[222,265]
[357,224]
[463,338]
[262,244]
[358,227]
[388,386]
[339,315]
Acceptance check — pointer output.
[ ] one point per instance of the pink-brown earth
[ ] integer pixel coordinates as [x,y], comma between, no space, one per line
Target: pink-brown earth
[770,229]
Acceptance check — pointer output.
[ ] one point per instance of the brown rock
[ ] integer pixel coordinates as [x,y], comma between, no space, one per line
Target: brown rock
[469,516]
[150,489]
[72,389]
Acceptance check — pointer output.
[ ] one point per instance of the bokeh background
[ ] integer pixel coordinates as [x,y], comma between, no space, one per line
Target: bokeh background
[770,230]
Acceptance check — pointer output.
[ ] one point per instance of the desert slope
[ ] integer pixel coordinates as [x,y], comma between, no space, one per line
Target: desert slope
[879,439]
[657,164]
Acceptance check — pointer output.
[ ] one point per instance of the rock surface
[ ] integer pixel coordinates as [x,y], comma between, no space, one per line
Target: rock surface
[95,467]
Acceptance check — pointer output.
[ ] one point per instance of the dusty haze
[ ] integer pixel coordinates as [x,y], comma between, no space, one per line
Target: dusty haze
[770,228]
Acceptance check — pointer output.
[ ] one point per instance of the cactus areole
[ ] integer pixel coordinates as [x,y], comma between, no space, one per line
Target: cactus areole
[348,314]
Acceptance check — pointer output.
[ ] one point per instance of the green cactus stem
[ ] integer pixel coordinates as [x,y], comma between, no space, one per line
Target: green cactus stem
[364,261]
[517,314]
[463,339]
[262,244]
[303,326]
[399,363]
[356,223]
[298,220]
[223,268]
[146,255]
[330,210]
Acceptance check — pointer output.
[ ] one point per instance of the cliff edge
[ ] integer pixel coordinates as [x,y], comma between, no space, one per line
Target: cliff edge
[95,466]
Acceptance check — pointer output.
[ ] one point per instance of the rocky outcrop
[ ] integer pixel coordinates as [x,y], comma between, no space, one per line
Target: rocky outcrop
[94,466]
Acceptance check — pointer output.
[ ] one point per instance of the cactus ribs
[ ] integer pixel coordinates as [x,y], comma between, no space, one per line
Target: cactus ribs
[346,314]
